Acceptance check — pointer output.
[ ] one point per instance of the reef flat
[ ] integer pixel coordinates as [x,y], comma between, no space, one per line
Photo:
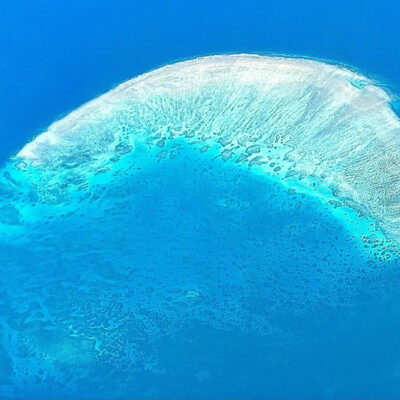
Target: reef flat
[305,117]
[216,204]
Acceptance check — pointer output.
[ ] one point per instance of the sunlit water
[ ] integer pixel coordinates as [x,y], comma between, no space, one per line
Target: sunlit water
[219,228]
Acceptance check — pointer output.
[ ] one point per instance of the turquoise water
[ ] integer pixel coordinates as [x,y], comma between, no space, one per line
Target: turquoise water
[225,227]
[178,238]
[195,273]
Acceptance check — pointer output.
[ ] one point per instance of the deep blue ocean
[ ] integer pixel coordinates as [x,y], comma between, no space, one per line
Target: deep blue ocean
[142,259]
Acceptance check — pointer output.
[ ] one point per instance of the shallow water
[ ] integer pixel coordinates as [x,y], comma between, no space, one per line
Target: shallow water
[140,260]
[195,273]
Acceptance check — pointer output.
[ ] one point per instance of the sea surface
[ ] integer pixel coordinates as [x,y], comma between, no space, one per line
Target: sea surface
[224,226]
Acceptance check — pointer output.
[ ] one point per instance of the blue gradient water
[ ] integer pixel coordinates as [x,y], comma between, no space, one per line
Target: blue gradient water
[173,271]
